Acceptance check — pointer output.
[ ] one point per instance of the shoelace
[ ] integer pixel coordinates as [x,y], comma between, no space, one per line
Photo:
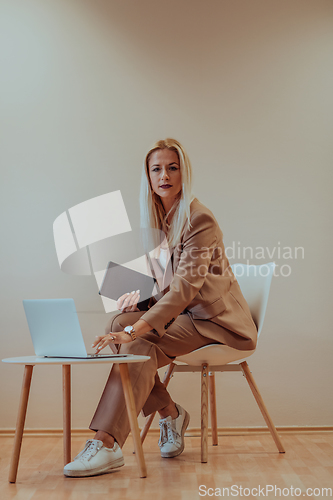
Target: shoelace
[168,433]
[89,451]
[163,434]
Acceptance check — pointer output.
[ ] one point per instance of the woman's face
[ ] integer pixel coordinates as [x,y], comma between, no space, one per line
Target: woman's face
[165,176]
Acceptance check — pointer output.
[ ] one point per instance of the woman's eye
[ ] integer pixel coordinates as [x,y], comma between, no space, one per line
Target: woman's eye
[173,168]
[155,169]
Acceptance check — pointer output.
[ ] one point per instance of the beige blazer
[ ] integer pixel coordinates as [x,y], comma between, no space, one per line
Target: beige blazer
[203,286]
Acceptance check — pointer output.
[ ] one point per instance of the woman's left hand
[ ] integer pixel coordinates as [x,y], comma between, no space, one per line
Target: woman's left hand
[111,339]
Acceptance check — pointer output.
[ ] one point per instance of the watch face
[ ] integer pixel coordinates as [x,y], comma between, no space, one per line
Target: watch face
[128,329]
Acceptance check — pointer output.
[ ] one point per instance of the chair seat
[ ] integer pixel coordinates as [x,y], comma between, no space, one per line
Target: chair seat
[214,354]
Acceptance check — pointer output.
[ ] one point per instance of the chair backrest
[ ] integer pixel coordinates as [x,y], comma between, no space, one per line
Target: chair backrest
[255,282]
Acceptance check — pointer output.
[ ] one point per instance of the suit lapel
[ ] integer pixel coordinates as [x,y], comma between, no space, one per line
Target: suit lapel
[176,252]
[168,274]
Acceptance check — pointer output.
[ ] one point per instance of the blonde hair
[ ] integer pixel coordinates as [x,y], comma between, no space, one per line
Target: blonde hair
[151,207]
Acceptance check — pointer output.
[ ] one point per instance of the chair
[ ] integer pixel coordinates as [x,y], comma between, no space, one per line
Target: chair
[255,282]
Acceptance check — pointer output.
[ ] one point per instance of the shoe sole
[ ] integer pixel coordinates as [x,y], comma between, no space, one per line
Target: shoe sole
[94,472]
[172,454]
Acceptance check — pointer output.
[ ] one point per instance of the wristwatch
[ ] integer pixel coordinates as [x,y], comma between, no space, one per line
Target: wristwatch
[130,330]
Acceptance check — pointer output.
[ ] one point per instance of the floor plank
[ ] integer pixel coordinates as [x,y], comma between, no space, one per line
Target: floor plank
[239,461]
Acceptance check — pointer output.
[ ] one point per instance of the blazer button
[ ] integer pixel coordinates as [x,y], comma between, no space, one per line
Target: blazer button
[168,324]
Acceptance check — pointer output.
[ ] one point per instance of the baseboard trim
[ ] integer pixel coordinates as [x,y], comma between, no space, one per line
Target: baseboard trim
[193,432]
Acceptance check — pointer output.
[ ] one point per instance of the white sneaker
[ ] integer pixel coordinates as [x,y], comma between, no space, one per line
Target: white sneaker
[94,459]
[172,432]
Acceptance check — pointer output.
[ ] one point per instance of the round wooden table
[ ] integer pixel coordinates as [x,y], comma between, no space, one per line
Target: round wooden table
[30,361]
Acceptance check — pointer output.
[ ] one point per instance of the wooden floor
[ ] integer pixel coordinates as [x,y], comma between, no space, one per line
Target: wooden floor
[247,461]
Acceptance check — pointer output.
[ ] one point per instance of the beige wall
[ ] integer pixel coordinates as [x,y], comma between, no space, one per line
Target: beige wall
[88,86]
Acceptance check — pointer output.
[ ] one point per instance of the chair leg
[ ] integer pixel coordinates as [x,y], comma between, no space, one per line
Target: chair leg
[212,404]
[261,404]
[204,413]
[146,427]
[150,418]
[24,398]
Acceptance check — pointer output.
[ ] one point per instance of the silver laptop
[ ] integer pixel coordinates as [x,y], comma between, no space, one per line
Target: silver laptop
[55,329]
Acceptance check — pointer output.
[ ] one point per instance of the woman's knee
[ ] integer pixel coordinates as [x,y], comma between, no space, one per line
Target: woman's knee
[114,325]
[118,322]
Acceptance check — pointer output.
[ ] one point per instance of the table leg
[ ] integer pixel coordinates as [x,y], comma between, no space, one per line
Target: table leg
[24,398]
[132,416]
[66,393]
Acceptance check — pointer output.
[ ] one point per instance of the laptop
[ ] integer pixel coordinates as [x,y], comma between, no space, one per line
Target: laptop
[55,330]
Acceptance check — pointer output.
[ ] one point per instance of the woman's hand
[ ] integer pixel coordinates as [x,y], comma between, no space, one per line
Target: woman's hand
[128,302]
[110,339]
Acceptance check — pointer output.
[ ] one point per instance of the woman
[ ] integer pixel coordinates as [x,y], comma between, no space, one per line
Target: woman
[201,305]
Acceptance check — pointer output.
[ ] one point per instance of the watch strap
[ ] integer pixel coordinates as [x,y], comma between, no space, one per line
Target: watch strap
[130,331]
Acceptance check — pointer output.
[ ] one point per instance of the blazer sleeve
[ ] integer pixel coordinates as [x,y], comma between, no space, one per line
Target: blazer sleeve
[198,245]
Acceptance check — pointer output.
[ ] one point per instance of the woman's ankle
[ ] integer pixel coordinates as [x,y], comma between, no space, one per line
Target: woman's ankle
[107,440]
[169,411]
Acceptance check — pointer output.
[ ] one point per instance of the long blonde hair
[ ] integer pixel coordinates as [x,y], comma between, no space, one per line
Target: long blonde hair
[151,208]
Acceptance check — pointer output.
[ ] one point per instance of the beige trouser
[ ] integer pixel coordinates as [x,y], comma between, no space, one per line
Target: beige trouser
[149,393]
